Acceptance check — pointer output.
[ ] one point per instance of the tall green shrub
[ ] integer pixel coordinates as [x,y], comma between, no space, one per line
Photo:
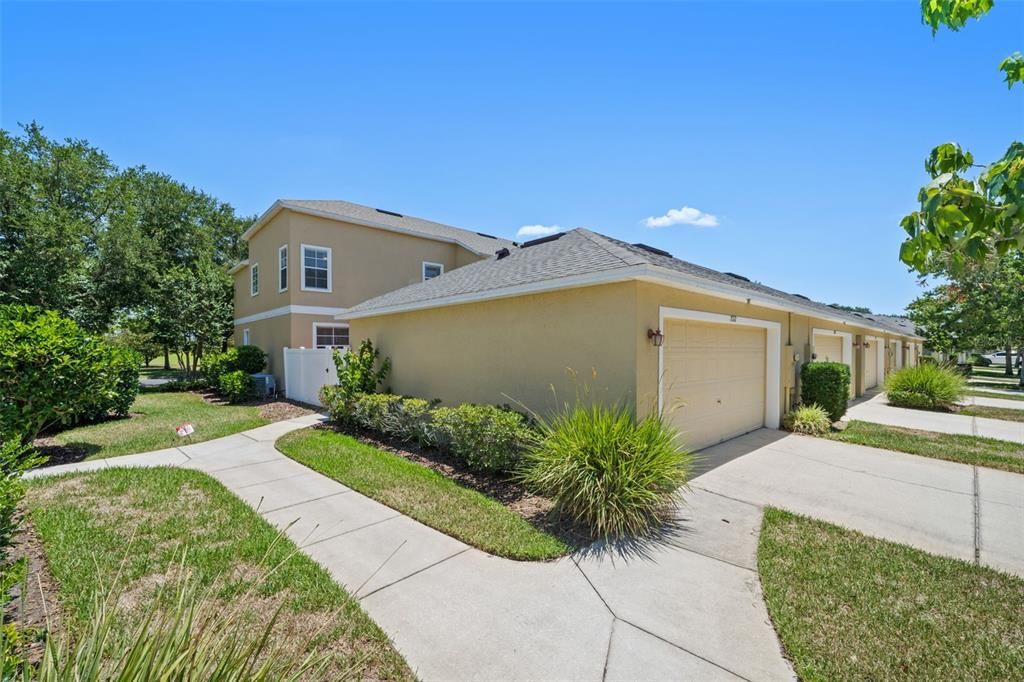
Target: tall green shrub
[604,469]
[928,386]
[53,372]
[236,386]
[826,384]
[250,359]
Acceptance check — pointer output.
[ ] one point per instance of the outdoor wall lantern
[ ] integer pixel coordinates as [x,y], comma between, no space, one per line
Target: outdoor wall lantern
[656,337]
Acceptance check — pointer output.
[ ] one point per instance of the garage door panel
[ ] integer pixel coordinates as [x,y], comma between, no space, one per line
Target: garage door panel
[714,380]
[871,365]
[828,347]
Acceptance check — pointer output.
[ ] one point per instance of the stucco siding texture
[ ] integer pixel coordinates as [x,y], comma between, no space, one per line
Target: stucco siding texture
[515,350]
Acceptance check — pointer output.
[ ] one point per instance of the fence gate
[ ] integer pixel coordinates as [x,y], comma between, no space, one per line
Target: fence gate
[306,370]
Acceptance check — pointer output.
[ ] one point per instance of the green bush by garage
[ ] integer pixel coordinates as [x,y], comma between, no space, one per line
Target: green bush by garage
[826,384]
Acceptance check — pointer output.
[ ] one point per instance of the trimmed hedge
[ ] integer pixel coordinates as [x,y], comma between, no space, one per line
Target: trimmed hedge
[826,384]
[249,359]
[485,437]
[237,386]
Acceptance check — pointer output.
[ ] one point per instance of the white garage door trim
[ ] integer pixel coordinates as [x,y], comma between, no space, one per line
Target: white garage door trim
[847,343]
[773,352]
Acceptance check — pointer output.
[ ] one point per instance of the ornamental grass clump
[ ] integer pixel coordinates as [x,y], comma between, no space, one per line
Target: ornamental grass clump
[929,386]
[613,474]
[810,419]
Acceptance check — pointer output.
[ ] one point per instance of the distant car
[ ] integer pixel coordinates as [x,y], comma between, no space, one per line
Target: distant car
[1000,358]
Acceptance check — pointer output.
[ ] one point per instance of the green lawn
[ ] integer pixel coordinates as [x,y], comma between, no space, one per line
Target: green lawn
[988,452]
[991,371]
[990,394]
[1004,386]
[136,525]
[1009,414]
[421,493]
[151,425]
[850,607]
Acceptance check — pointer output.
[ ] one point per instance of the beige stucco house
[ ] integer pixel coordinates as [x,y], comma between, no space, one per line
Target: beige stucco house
[309,260]
[719,353]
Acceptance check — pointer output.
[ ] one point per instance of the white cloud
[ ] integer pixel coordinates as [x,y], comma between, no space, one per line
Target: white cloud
[534,231]
[683,216]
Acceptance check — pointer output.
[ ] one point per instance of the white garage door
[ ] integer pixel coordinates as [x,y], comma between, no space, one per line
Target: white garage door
[828,348]
[714,380]
[871,364]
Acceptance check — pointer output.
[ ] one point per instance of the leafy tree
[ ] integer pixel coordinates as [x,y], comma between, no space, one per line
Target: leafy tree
[966,214]
[851,308]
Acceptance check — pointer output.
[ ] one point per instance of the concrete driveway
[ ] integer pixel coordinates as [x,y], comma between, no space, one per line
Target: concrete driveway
[878,411]
[971,513]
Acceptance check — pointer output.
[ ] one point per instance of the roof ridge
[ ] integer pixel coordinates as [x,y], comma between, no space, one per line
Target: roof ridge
[625,255]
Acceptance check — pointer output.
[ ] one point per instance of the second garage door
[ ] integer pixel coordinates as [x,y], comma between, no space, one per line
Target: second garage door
[871,364]
[713,380]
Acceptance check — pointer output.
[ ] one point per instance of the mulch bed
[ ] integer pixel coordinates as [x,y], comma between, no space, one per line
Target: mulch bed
[537,510]
[274,410]
[33,605]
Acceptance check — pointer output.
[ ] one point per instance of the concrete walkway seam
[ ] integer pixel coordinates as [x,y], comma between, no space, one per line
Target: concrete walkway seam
[422,570]
[977,515]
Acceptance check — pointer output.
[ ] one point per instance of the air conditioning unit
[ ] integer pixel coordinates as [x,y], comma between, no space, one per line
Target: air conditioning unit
[266,385]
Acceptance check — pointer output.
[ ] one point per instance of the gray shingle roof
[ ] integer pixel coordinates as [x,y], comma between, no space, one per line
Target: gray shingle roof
[582,252]
[346,210]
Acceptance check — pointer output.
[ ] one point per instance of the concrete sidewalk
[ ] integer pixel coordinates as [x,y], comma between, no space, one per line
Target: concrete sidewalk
[878,411]
[986,401]
[671,609]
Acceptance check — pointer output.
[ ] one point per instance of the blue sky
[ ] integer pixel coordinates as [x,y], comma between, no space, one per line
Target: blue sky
[798,129]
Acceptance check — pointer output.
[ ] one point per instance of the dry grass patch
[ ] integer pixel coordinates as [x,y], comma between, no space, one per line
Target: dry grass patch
[1009,414]
[851,607]
[139,528]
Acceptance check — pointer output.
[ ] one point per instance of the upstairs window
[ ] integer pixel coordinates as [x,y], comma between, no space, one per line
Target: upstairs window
[432,270]
[330,336]
[254,279]
[282,268]
[316,268]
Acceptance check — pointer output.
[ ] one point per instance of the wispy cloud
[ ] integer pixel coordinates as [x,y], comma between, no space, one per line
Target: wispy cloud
[533,231]
[683,216]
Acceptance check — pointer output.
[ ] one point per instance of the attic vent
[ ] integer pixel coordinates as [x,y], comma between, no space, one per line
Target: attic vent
[543,240]
[381,210]
[501,253]
[647,247]
[802,296]
[484,234]
[739,277]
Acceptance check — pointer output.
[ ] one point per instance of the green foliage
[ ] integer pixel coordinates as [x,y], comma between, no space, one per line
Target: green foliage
[965,220]
[929,386]
[485,437]
[358,373]
[953,14]
[236,386]
[980,360]
[810,419]
[1013,67]
[141,342]
[52,372]
[826,384]
[615,475]
[373,411]
[407,419]
[250,359]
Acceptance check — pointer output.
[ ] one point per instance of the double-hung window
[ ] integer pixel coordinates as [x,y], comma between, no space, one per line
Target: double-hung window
[316,268]
[432,270]
[282,268]
[254,279]
[330,335]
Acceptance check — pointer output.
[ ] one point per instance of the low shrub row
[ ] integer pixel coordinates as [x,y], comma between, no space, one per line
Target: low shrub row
[52,372]
[229,373]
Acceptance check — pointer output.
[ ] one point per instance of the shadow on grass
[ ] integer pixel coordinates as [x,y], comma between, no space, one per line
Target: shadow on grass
[65,453]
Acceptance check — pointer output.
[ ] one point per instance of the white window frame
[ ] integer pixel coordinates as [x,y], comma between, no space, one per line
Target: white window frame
[332,325]
[772,362]
[254,279]
[427,264]
[283,249]
[330,268]
[246,337]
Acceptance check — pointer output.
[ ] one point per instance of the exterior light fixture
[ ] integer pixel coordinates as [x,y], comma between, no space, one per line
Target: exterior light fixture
[656,337]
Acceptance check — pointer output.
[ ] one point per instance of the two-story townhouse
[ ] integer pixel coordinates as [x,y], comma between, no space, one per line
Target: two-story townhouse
[309,260]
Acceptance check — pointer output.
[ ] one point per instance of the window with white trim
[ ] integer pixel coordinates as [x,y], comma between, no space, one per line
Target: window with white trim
[432,270]
[316,268]
[330,335]
[254,279]
[245,337]
[282,268]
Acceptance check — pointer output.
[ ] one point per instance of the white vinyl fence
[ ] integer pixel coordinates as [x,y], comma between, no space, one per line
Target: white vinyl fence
[306,370]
